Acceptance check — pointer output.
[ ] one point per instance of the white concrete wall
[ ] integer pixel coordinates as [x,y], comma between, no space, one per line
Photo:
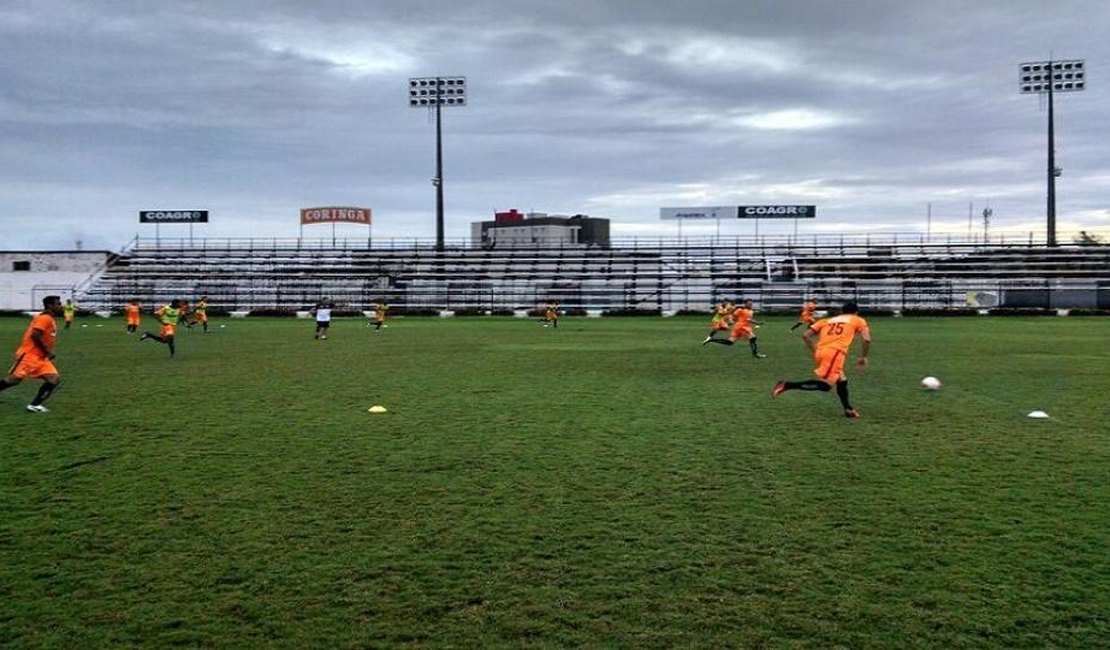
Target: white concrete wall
[50,273]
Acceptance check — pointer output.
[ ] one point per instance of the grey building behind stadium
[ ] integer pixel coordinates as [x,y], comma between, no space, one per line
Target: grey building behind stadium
[512,229]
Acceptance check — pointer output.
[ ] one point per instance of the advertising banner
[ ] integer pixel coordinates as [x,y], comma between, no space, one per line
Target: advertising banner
[335,214]
[777,211]
[173,216]
[711,212]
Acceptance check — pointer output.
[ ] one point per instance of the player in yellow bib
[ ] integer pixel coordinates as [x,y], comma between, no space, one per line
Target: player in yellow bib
[68,311]
[169,315]
[722,317]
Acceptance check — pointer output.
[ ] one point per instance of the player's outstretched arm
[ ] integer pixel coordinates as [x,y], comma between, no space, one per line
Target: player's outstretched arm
[808,336]
[865,350]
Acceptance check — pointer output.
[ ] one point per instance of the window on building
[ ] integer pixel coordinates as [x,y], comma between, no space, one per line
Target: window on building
[21,265]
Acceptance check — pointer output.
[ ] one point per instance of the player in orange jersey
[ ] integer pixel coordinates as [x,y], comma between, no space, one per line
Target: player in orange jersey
[722,316]
[133,312]
[829,339]
[806,317]
[201,311]
[743,327]
[378,321]
[35,355]
[186,313]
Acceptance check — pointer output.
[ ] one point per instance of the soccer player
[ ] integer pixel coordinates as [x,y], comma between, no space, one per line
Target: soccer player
[829,339]
[721,315]
[133,312]
[185,317]
[68,310]
[169,315]
[201,311]
[379,315]
[743,327]
[35,355]
[322,312]
[550,314]
[806,317]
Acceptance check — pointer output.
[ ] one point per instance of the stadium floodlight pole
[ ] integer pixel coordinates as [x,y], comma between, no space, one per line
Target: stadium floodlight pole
[1051,77]
[437,92]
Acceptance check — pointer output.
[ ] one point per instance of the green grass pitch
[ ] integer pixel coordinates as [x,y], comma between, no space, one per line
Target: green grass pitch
[611,483]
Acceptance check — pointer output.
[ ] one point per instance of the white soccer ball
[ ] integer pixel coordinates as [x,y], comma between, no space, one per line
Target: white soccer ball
[930,383]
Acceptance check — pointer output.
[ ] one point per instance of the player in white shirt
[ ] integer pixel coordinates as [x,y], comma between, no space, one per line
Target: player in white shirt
[322,312]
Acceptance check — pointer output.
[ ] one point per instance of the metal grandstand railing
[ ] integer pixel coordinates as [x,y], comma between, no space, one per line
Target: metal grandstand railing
[889,271]
[817,241]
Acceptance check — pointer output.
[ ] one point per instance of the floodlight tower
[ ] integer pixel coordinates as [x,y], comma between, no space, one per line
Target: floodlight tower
[1050,77]
[437,92]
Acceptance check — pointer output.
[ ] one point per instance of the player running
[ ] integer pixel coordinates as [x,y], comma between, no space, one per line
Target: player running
[551,314]
[378,320]
[722,316]
[201,313]
[133,312]
[35,355]
[68,311]
[322,312]
[829,339]
[744,323]
[186,313]
[170,316]
[806,317]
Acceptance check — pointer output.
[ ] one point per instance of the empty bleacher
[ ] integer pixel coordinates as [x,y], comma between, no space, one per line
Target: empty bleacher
[659,275]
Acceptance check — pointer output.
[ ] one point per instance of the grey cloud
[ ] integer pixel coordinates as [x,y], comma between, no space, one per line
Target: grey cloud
[613,107]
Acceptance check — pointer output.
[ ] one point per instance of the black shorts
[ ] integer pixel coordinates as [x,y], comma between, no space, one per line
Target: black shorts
[323,324]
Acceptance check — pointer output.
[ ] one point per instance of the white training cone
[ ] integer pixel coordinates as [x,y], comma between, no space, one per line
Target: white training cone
[377,408]
[1040,415]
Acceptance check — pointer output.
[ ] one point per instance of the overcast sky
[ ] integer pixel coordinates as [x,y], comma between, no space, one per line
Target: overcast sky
[613,108]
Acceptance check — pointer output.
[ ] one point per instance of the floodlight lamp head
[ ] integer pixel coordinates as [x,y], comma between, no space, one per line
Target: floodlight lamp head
[437,91]
[1052,76]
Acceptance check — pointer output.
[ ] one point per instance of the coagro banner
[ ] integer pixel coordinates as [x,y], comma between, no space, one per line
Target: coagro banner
[335,214]
[173,216]
[777,212]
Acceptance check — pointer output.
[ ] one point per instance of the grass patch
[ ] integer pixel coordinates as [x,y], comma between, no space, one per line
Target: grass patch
[610,483]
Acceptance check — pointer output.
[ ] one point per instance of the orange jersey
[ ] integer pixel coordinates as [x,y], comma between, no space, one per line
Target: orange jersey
[807,312]
[741,324]
[44,323]
[132,313]
[837,333]
[742,317]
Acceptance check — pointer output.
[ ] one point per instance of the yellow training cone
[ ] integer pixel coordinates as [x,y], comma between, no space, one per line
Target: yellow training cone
[378,408]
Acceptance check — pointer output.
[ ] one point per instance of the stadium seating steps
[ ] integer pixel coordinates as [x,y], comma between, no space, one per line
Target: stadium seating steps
[664,277]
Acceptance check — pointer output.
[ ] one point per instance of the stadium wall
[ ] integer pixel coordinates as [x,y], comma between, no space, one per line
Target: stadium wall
[27,276]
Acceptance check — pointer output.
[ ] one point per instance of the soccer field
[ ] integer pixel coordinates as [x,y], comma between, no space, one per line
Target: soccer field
[610,483]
